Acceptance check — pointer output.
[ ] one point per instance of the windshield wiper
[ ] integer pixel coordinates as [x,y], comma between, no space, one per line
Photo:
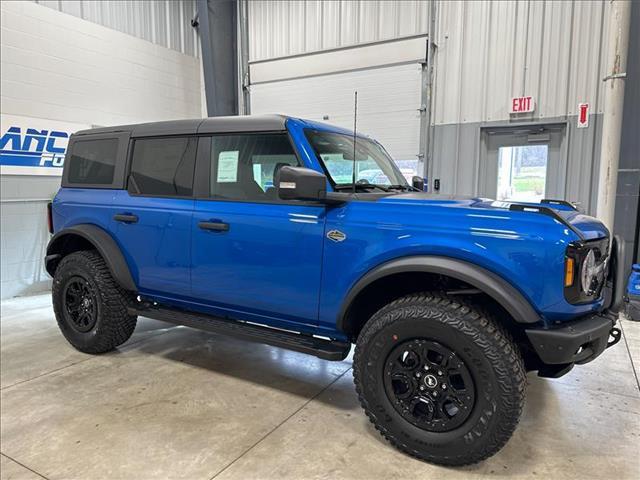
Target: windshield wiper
[403,188]
[362,186]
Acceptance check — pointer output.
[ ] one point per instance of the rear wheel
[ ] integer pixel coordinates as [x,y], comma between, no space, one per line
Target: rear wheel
[90,306]
[439,379]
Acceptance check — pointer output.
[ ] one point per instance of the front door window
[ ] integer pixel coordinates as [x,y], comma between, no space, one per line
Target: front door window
[243,166]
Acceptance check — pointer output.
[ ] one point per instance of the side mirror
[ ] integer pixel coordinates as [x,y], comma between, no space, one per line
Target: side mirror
[418,182]
[298,183]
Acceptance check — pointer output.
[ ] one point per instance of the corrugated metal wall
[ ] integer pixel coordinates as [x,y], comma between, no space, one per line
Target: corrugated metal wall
[163,22]
[279,28]
[486,53]
[489,52]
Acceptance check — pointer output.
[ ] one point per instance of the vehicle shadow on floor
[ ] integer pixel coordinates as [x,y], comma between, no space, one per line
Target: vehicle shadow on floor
[291,372]
[281,369]
[330,384]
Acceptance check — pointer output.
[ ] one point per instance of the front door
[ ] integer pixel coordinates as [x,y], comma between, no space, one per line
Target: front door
[255,257]
[523,164]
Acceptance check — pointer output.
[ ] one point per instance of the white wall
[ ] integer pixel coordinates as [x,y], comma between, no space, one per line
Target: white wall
[62,69]
[165,22]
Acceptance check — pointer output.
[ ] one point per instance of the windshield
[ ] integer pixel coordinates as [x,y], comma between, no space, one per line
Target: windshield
[373,165]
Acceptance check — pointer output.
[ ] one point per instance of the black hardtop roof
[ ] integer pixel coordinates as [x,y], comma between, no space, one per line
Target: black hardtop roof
[242,123]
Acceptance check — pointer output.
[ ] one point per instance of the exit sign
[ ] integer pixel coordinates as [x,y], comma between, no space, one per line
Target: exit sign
[522,105]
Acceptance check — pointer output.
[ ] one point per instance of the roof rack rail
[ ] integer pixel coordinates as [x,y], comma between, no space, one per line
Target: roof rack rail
[548,211]
[552,201]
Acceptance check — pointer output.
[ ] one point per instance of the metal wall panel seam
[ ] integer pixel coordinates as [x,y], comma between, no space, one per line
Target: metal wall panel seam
[596,158]
[460,79]
[569,139]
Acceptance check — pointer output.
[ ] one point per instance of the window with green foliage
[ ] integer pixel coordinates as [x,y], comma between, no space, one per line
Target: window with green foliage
[522,173]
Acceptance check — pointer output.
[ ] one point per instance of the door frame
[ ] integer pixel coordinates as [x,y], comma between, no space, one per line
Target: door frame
[517,135]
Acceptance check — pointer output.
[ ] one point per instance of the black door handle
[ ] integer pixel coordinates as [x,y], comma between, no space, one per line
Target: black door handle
[215,226]
[125,217]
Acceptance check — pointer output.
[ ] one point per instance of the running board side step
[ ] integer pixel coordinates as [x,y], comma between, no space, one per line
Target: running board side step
[325,349]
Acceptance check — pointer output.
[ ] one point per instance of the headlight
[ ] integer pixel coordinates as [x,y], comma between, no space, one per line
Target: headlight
[588,271]
[585,270]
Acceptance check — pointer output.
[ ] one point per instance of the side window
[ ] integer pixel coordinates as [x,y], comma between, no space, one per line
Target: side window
[163,166]
[92,162]
[243,166]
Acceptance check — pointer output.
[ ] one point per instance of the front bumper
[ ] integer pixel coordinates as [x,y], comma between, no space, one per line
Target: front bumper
[582,340]
[577,342]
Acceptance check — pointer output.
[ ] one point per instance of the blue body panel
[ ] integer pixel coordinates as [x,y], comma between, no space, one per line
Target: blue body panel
[633,284]
[527,250]
[73,206]
[276,266]
[266,267]
[157,247]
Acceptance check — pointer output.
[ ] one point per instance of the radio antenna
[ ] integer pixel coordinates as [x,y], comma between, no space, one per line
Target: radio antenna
[355,124]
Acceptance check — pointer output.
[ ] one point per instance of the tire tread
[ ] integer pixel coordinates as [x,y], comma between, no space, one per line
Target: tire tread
[116,325]
[489,335]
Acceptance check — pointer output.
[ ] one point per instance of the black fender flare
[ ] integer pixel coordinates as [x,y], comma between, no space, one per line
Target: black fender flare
[103,243]
[484,280]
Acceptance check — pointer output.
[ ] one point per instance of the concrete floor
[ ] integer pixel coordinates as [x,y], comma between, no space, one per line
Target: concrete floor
[178,403]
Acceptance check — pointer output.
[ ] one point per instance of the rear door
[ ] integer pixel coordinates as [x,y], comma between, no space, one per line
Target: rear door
[255,256]
[152,218]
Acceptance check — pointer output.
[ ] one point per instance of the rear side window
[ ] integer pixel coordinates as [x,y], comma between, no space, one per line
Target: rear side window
[163,166]
[92,162]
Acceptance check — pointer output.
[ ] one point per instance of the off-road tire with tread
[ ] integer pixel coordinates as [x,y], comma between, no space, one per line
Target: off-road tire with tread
[489,353]
[114,325]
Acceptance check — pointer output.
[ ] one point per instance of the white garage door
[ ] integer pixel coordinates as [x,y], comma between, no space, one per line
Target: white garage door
[388,104]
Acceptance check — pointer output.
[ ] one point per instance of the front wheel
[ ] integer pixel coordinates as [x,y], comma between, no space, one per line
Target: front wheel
[439,379]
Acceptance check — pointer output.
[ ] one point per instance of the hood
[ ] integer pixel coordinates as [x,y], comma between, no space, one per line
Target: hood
[584,226]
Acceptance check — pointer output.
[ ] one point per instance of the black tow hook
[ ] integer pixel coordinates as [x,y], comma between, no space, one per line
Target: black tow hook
[616,334]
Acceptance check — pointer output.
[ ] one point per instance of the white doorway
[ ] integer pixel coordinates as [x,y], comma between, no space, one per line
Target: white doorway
[522,173]
[523,164]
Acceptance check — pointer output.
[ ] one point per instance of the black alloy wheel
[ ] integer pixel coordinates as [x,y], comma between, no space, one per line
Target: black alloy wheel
[429,385]
[80,304]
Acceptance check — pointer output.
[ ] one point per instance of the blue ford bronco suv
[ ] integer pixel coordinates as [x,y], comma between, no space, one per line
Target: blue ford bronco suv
[305,236]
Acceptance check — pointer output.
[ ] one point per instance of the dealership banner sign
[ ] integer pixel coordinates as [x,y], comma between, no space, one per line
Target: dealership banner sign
[33,146]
